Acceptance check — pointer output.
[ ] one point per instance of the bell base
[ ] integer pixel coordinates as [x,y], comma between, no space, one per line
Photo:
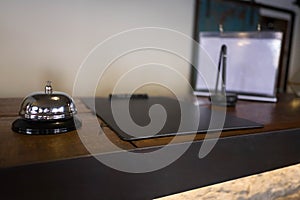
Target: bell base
[31,127]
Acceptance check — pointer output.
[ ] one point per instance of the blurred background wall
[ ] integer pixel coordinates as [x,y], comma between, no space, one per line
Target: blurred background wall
[48,40]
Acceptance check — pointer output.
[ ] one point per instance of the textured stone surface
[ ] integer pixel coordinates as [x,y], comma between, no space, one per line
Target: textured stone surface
[281,184]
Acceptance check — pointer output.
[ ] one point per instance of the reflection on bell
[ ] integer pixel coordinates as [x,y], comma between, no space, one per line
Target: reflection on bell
[47,113]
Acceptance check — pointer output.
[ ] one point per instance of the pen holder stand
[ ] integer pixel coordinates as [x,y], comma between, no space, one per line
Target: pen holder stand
[227,99]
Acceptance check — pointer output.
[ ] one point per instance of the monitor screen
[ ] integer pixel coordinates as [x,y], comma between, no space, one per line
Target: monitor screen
[252,63]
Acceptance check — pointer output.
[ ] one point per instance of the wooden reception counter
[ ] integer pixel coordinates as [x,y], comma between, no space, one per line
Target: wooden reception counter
[61,167]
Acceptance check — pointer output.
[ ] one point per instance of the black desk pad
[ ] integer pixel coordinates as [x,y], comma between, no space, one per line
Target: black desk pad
[139,112]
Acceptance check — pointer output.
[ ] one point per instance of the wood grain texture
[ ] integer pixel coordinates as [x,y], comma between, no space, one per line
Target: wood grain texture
[247,152]
[19,149]
[10,106]
[285,114]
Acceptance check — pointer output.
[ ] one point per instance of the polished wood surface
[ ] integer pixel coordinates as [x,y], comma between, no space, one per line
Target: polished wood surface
[17,149]
[285,114]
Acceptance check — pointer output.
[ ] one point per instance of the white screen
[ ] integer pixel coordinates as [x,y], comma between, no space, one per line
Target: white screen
[252,62]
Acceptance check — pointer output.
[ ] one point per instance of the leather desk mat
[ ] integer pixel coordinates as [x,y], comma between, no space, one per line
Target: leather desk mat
[139,113]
